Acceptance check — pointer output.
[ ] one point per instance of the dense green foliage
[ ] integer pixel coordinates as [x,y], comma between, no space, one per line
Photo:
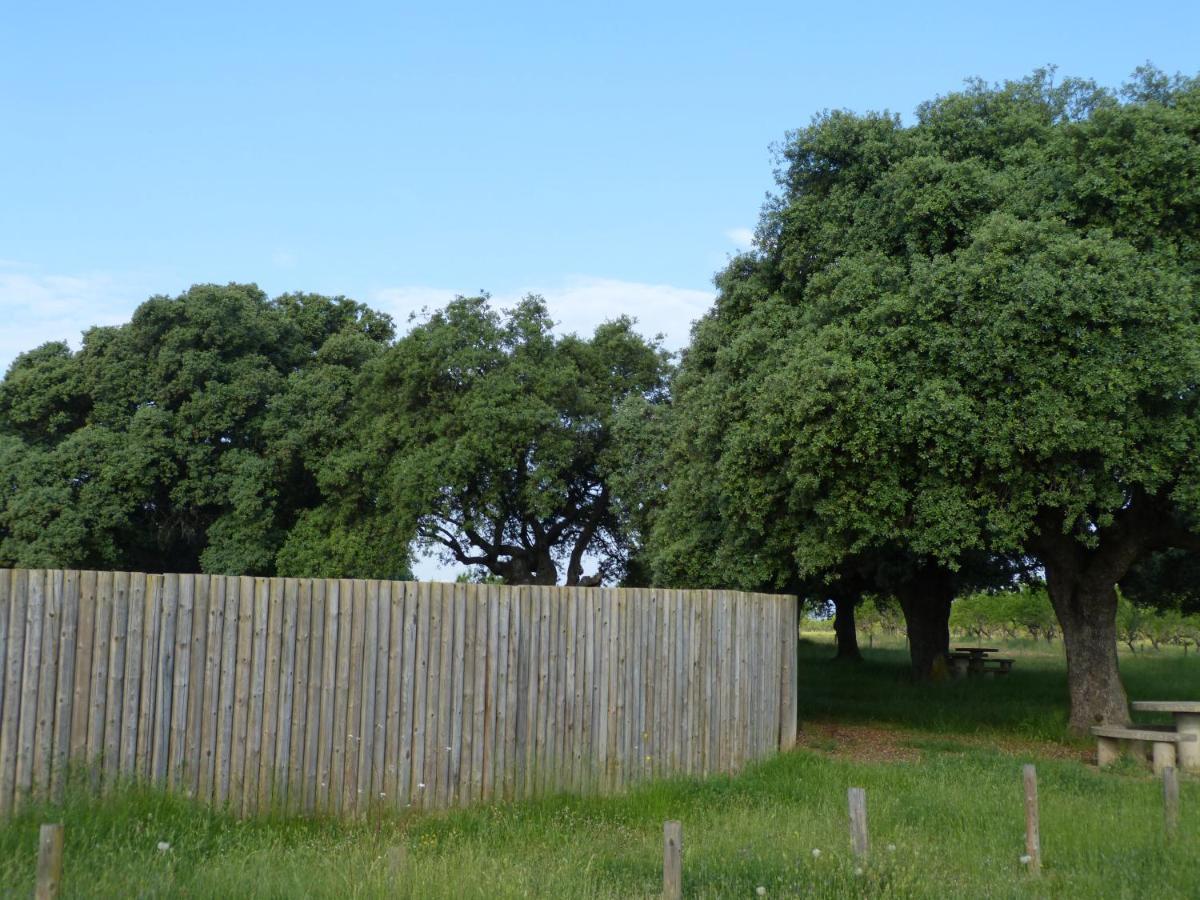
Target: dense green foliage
[489,438]
[979,332]
[182,440]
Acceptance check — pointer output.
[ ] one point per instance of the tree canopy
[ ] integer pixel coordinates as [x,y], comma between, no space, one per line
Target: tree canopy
[183,440]
[490,439]
[975,333]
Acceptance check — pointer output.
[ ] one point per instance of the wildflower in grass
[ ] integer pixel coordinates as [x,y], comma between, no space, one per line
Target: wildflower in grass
[816,853]
[1026,859]
[163,846]
[858,870]
[891,848]
[761,891]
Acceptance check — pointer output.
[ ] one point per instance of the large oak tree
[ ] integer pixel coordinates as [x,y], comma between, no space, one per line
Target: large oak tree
[976,333]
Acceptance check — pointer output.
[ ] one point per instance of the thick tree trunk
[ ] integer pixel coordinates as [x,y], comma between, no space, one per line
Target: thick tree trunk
[926,601]
[1087,613]
[844,630]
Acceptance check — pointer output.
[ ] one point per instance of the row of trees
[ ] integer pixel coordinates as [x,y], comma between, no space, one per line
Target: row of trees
[962,351]
[223,431]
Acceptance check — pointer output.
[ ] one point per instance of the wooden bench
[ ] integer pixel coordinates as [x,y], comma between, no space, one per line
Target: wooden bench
[1111,738]
[1002,667]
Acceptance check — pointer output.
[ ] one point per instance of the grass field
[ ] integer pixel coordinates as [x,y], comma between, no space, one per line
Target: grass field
[941,765]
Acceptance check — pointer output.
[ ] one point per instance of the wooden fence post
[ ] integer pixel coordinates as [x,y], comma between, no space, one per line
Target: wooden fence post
[672,861]
[1033,838]
[50,862]
[860,839]
[1170,779]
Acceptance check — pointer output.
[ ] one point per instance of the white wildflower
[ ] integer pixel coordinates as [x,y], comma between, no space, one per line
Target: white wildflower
[858,870]
[816,853]
[761,891]
[891,848]
[163,846]
[1026,859]
[421,785]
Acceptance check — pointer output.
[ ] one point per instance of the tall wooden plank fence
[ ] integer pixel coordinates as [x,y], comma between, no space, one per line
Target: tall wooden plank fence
[341,695]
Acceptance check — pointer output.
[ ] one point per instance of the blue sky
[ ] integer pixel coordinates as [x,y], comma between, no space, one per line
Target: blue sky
[608,156]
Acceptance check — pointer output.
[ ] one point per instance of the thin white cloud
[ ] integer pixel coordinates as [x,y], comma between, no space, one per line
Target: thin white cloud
[37,307]
[577,304]
[743,238]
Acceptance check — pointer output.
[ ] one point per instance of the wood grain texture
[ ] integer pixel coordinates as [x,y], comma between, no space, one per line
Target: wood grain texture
[345,695]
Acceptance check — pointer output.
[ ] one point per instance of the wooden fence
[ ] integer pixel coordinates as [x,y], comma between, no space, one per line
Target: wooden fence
[340,696]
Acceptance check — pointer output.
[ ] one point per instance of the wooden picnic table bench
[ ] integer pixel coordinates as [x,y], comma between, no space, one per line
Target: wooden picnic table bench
[973,661]
[1187,721]
[1110,739]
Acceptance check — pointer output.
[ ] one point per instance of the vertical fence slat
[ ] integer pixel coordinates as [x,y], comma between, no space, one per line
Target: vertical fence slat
[507,728]
[409,678]
[14,692]
[210,704]
[382,689]
[484,649]
[464,696]
[31,670]
[185,585]
[328,793]
[445,696]
[47,690]
[133,675]
[297,626]
[312,725]
[194,721]
[393,752]
[227,691]
[115,689]
[366,719]
[272,675]
[66,585]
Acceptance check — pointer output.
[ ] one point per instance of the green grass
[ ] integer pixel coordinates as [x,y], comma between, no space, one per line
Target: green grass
[952,811]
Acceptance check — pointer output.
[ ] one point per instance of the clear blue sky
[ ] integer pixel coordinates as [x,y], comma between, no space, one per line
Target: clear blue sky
[609,156]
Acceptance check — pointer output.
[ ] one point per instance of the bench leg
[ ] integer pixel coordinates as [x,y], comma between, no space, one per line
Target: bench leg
[1189,751]
[1164,756]
[1107,751]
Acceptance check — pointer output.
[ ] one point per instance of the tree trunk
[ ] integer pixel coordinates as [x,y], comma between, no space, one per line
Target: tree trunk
[925,600]
[1087,612]
[844,630]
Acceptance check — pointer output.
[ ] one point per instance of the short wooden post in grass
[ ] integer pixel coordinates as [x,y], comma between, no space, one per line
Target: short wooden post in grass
[1170,781]
[1033,837]
[860,840]
[50,862]
[672,861]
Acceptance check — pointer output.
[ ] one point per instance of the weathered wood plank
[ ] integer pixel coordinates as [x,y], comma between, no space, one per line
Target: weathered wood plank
[270,702]
[412,675]
[297,638]
[15,695]
[98,689]
[366,718]
[281,767]
[180,693]
[241,692]
[6,601]
[445,697]
[210,712]
[115,689]
[34,620]
[526,690]
[509,714]
[227,691]
[329,793]
[47,686]
[393,751]
[148,689]
[379,730]
[342,697]
[164,677]
[193,720]
[463,681]
[483,650]
[66,586]
[354,703]
[131,695]
[425,624]
[311,768]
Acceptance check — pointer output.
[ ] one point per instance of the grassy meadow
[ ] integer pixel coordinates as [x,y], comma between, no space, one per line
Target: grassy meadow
[941,765]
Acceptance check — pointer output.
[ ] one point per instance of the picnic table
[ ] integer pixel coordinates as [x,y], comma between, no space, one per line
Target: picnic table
[972,660]
[1187,722]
